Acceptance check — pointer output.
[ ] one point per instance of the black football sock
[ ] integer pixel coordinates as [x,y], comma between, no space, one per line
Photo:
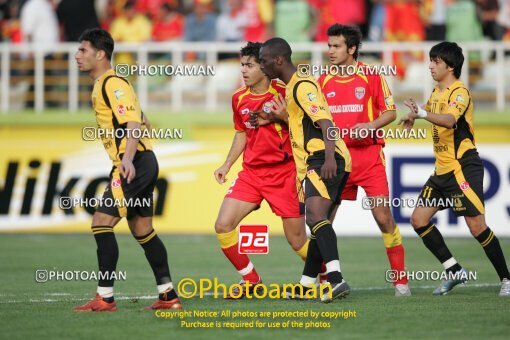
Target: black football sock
[492,249]
[155,252]
[326,242]
[313,261]
[434,241]
[107,255]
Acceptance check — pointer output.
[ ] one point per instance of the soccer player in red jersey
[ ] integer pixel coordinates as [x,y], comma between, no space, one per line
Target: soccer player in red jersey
[268,170]
[361,103]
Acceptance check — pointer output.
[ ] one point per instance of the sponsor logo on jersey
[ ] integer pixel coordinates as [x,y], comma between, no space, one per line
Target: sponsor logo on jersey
[311,96]
[245,111]
[346,108]
[115,183]
[121,110]
[118,94]
[314,109]
[464,186]
[331,94]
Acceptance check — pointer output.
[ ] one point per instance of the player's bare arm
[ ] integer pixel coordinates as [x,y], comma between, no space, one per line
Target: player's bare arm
[329,167]
[383,120]
[126,167]
[444,120]
[146,121]
[237,148]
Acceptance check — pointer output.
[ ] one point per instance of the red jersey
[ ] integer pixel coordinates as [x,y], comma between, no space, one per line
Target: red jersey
[265,145]
[358,98]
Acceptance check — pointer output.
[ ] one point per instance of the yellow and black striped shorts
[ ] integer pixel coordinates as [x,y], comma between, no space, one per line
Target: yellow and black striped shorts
[330,189]
[461,189]
[121,199]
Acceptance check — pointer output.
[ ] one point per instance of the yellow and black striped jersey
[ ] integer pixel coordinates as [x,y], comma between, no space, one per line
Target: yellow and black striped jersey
[452,144]
[305,106]
[115,103]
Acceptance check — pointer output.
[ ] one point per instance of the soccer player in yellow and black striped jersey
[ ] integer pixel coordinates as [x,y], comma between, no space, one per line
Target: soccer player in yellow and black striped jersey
[132,179]
[324,162]
[458,172]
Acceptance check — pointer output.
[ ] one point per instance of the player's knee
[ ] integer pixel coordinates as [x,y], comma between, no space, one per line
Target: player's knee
[312,220]
[417,222]
[138,230]
[386,223]
[103,219]
[297,240]
[222,226]
[476,228]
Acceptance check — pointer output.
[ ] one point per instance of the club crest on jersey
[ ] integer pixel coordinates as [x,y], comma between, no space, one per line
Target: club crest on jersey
[121,110]
[118,94]
[245,111]
[359,92]
[311,96]
[115,183]
[267,106]
[464,186]
[331,94]
[314,109]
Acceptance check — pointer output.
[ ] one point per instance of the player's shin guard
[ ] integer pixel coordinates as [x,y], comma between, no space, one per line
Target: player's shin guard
[229,243]
[301,252]
[326,242]
[156,254]
[395,252]
[107,257]
[492,249]
[434,241]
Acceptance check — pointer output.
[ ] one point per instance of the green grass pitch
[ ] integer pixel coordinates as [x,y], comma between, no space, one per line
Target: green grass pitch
[31,309]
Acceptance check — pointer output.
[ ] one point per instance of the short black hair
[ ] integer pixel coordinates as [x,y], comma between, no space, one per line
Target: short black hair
[351,33]
[100,39]
[450,53]
[129,4]
[279,48]
[252,49]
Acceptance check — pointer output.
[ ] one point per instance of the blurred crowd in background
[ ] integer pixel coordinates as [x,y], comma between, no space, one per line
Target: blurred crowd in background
[298,21]
[254,20]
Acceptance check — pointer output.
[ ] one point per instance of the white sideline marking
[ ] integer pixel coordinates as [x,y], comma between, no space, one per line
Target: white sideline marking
[126,297]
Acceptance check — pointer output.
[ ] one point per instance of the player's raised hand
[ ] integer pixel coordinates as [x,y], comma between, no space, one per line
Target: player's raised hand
[258,118]
[279,108]
[411,104]
[407,120]
[127,170]
[221,173]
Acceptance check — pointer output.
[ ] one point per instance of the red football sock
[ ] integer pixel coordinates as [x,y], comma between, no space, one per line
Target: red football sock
[242,263]
[397,263]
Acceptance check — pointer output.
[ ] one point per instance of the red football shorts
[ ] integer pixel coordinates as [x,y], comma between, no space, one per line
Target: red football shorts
[276,184]
[368,172]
